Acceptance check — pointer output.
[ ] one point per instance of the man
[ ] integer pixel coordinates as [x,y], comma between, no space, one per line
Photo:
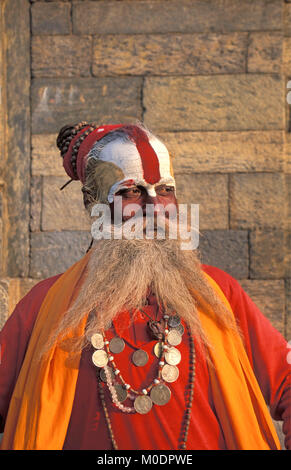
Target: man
[138,346]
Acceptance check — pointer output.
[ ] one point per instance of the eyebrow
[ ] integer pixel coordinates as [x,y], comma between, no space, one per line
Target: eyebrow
[128,188]
[165,184]
[129,185]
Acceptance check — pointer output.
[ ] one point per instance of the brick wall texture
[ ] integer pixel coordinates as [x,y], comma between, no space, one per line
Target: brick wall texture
[210,78]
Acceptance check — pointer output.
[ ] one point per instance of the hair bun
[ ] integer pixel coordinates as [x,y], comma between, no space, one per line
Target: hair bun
[66,134]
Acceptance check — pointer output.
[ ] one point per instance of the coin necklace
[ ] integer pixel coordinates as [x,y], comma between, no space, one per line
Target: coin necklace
[157,392]
[182,439]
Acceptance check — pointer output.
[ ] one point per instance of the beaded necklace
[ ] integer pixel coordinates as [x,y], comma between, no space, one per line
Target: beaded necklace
[155,393]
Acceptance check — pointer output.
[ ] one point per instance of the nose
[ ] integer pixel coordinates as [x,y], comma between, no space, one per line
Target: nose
[154,200]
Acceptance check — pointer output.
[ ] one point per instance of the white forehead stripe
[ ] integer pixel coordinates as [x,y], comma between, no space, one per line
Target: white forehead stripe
[163,156]
[126,156]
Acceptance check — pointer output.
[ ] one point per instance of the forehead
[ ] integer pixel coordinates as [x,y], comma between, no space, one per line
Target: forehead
[148,163]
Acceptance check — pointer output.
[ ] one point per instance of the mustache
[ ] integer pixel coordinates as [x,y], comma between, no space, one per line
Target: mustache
[137,227]
[149,226]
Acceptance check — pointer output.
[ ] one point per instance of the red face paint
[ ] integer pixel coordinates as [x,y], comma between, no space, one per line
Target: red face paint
[149,159]
[150,162]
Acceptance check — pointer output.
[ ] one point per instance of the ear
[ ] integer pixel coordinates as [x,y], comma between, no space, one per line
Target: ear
[106,175]
[101,176]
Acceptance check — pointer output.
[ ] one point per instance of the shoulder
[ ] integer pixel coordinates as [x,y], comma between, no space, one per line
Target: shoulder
[228,284]
[38,292]
[252,321]
[26,310]
[243,307]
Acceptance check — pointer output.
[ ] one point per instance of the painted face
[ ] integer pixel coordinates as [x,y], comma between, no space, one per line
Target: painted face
[147,166]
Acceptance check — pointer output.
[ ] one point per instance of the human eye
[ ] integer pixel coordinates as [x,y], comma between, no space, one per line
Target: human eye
[164,190]
[130,193]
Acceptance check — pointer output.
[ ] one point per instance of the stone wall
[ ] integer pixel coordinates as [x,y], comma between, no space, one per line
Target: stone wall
[209,77]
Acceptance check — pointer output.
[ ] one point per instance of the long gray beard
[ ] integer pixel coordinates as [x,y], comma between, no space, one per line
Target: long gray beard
[121,272]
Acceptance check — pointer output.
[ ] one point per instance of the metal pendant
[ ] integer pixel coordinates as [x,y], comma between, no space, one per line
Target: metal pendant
[180,328]
[116,345]
[102,374]
[174,321]
[170,373]
[160,394]
[174,338]
[97,341]
[173,356]
[158,350]
[140,358]
[143,404]
[121,392]
[100,358]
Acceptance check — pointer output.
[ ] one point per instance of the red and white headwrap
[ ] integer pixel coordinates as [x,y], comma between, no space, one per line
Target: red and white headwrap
[142,158]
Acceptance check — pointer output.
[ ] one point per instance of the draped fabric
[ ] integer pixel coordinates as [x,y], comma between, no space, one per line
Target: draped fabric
[41,404]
